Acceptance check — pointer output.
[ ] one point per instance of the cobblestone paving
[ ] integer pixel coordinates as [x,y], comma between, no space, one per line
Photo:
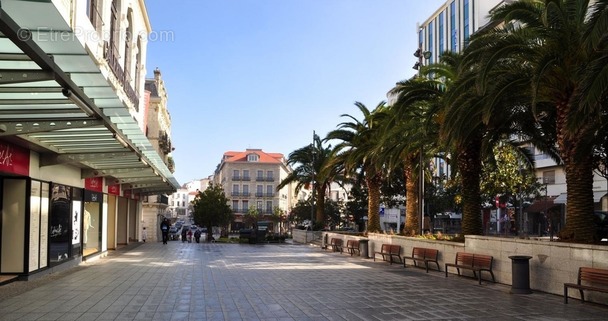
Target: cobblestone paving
[189,281]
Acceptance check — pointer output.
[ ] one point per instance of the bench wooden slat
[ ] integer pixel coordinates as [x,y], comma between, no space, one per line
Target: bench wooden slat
[390,251]
[352,246]
[424,255]
[590,279]
[474,262]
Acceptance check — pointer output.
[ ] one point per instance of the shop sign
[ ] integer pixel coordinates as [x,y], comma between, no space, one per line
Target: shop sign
[14,159]
[94,184]
[114,189]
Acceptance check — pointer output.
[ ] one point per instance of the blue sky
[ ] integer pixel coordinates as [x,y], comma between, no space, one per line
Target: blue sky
[266,73]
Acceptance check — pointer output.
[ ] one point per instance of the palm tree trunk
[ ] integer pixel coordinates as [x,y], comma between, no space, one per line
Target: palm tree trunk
[411,197]
[579,181]
[320,204]
[373,187]
[469,165]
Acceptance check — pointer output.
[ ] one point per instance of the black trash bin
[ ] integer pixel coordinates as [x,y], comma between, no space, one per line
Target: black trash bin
[520,271]
[363,248]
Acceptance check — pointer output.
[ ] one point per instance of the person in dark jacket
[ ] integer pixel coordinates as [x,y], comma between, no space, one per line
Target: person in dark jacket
[184,233]
[164,229]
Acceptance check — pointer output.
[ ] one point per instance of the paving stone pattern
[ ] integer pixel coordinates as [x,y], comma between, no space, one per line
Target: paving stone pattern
[190,281]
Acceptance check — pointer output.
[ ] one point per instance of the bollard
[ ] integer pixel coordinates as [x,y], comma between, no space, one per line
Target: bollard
[363,248]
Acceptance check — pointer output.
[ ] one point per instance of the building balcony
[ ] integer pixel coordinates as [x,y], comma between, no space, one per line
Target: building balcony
[236,178]
[110,53]
[246,178]
[245,194]
[260,179]
[259,194]
[270,179]
[235,194]
[164,142]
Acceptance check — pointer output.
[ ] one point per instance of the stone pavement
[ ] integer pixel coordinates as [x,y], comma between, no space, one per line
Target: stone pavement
[189,281]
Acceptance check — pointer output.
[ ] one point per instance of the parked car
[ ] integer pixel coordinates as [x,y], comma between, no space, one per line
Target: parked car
[174,233]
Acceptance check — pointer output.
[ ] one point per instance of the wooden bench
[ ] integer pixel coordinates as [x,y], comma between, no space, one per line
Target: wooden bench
[594,279]
[420,254]
[352,246]
[473,262]
[335,245]
[390,251]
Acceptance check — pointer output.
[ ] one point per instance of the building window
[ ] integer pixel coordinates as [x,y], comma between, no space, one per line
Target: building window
[245,190]
[235,174]
[260,176]
[269,207]
[465,16]
[114,28]
[269,190]
[253,158]
[453,29]
[259,192]
[269,176]
[245,174]
[549,177]
[441,33]
[94,13]
[129,46]
[235,206]
[430,44]
[245,206]
[235,190]
[260,208]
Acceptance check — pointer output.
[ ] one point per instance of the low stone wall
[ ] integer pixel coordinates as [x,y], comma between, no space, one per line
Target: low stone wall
[552,263]
[303,236]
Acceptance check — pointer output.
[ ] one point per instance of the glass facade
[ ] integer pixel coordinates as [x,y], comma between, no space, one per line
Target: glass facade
[92,223]
[441,31]
[465,15]
[453,29]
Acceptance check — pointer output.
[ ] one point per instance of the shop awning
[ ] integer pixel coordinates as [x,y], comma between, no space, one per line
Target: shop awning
[56,101]
[561,199]
[541,205]
[597,197]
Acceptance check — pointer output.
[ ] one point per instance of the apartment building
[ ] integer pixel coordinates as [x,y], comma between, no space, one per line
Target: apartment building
[250,178]
[75,162]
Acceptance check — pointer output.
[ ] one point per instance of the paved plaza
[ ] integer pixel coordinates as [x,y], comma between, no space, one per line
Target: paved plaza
[189,281]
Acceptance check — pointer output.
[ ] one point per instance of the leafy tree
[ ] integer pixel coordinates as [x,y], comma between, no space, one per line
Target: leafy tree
[356,207]
[211,208]
[252,217]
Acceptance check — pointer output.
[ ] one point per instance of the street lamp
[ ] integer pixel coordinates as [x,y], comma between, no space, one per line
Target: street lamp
[312,183]
[420,54]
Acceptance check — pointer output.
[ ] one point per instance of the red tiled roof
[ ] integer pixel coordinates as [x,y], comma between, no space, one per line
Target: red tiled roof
[232,156]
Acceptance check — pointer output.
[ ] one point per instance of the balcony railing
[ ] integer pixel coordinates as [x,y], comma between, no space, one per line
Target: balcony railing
[236,178]
[164,142]
[245,194]
[258,194]
[110,53]
[235,194]
[269,179]
[246,178]
[260,179]
[269,195]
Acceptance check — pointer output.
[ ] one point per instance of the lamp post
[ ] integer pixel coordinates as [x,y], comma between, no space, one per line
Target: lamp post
[420,54]
[312,183]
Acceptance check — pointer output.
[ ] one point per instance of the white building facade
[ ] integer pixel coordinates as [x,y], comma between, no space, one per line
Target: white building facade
[72,132]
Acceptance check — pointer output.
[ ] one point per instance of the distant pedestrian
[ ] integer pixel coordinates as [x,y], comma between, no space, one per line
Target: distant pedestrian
[184,233]
[164,228]
[144,235]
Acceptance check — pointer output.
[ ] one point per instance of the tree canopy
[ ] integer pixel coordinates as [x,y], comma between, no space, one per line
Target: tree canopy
[211,208]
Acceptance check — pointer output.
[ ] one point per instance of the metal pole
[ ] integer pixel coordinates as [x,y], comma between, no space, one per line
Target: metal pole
[312,195]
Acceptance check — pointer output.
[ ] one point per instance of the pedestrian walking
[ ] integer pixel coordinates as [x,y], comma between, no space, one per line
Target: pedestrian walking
[144,235]
[164,229]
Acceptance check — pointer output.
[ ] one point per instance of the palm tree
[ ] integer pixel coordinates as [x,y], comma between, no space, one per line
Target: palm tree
[358,150]
[409,131]
[563,43]
[313,165]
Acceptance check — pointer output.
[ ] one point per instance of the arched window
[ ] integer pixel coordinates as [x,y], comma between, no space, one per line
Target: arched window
[138,66]
[115,28]
[129,46]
